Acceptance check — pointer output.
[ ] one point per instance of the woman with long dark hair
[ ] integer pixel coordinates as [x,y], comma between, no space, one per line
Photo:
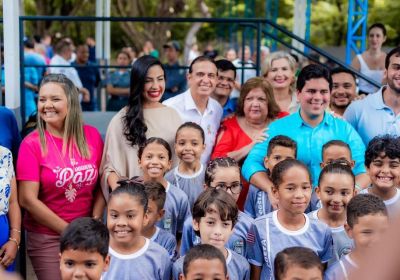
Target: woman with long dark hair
[143,117]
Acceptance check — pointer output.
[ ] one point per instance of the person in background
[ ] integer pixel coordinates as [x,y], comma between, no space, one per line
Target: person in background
[91,44]
[371,62]
[175,75]
[118,83]
[225,85]
[279,70]
[344,90]
[231,54]
[89,75]
[148,49]
[64,50]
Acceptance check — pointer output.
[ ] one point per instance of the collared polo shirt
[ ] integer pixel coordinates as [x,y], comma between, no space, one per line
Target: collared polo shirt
[209,120]
[372,117]
[309,143]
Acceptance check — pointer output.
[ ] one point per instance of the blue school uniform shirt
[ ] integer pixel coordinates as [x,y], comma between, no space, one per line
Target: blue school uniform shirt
[191,185]
[309,142]
[392,204]
[268,237]
[150,262]
[342,243]
[176,210]
[236,242]
[257,203]
[237,266]
[341,269]
[165,240]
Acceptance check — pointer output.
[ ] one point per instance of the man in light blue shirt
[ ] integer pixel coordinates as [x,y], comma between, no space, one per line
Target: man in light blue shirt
[379,113]
[311,127]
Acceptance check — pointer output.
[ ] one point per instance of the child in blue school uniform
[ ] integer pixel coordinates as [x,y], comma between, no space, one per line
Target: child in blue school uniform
[132,255]
[189,174]
[335,189]
[222,173]
[288,226]
[280,147]
[367,221]
[214,215]
[156,196]
[382,159]
[155,160]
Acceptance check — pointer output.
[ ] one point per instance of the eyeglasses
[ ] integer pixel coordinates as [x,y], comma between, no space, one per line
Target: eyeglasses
[235,188]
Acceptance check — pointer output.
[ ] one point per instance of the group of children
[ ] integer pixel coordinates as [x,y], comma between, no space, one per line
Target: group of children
[184,223]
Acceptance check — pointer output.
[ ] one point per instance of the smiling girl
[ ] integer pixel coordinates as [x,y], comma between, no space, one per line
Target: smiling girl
[142,118]
[288,226]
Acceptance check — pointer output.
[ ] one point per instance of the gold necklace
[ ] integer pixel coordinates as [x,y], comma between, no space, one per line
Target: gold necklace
[70,191]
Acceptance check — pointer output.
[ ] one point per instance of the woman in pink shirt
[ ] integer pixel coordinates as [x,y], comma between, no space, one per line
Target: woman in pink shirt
[57,172]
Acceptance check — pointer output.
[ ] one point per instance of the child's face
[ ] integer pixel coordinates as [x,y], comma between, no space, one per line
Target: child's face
[294,192]
[368,230]
[384,172]
[213,230]
[189,145]
[153,214]
[228,177]
[125,219]
[154,162]
[296,272]
[335,191]
[205,270]
[81,264]
[278,154]
[336,152]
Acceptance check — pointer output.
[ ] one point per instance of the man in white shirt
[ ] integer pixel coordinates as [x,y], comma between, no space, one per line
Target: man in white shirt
[64,50]
[195,104]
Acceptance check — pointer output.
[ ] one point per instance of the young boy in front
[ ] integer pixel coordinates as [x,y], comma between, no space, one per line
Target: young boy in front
[156,196]
[367,220]
[84,250]
[214,215]
[280,147]
[382,159]
[204,262]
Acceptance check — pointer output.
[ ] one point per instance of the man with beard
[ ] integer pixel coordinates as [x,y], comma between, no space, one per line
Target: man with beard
[378,113]
[343,90]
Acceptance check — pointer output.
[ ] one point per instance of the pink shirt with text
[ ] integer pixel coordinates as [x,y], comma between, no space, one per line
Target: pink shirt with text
[67,183]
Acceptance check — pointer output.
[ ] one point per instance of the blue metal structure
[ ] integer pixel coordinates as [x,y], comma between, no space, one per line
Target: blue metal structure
[356,27]
[308,25]
[271,13]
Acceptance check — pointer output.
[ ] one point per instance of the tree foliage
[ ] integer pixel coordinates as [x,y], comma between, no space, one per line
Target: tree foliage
[328,19]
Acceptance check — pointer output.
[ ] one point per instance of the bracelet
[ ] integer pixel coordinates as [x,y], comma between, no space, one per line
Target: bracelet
[15,240]
[16,230]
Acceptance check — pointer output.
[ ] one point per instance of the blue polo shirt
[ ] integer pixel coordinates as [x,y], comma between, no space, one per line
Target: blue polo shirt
[309,143]
[230,107]
[372,117]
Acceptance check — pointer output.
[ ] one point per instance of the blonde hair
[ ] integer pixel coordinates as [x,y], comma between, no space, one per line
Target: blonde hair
[267,65]
[73,125]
